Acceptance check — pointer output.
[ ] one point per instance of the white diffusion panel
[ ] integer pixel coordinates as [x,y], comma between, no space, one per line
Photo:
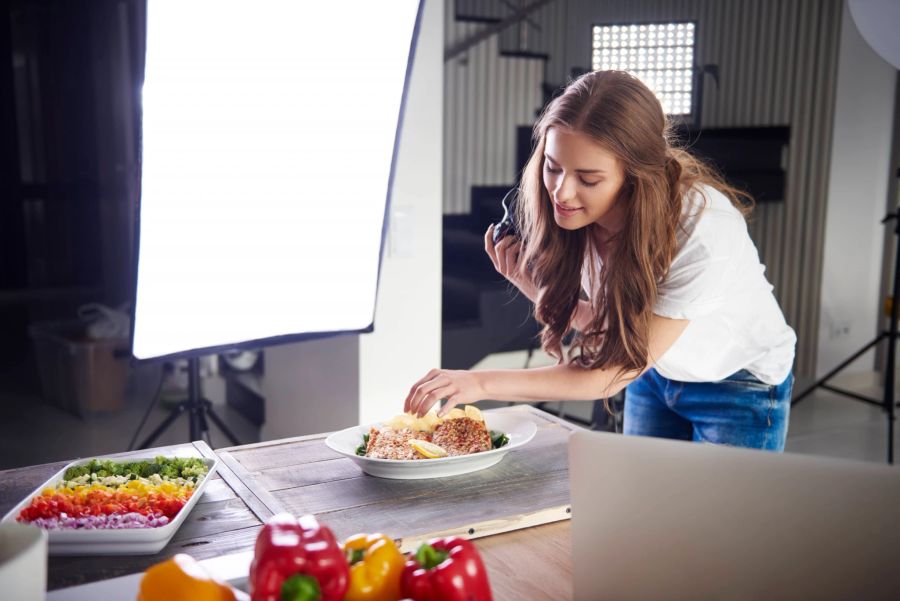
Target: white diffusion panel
[268,139]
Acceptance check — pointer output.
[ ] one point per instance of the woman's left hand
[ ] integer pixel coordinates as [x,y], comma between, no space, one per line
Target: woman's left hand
[455,386]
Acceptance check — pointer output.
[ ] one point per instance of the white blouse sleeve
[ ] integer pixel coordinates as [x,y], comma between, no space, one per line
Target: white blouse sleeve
[704,268]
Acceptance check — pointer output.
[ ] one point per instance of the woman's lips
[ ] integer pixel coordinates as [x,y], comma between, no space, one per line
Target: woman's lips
[565,211]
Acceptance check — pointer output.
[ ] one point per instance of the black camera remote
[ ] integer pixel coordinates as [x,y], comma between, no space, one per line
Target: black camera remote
[507,225]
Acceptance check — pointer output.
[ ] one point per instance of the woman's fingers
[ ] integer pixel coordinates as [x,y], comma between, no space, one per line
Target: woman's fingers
[489,246]
[455,386]
[431,392]
[433,379]
[407,404]
[506,255]
[429,399]
[513,258]
[449,403]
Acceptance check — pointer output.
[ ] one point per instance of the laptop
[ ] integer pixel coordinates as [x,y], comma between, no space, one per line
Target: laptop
[668,520]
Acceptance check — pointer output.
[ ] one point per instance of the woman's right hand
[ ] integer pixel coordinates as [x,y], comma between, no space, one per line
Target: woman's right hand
[506,259]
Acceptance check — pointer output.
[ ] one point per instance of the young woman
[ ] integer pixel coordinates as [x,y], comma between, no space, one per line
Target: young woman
[645,253]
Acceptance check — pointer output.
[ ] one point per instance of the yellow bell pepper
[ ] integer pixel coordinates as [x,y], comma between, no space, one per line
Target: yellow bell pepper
[182,578]
[375,567]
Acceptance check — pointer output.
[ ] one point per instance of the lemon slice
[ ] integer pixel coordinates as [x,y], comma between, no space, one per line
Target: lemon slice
[474,413]
[427,449]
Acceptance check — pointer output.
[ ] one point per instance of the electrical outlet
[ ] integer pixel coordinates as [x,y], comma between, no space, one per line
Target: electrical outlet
[838,329]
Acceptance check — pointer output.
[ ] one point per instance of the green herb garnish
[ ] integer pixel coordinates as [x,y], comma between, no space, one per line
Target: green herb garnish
[361,449]
[498,439]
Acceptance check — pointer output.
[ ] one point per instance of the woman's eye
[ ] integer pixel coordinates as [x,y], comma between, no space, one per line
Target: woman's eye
[590,184]
[550,169]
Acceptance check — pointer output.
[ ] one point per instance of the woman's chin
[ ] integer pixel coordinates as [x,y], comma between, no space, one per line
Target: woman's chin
[567,223]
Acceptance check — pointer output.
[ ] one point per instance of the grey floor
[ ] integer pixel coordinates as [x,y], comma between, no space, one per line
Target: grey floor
[33,431]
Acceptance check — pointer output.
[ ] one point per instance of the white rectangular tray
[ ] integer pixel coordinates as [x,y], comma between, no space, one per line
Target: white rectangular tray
[127,541]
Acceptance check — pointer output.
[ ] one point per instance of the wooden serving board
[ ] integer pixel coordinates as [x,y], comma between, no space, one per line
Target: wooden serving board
[530,486]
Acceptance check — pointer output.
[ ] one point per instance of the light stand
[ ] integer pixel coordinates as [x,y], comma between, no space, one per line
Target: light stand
[197,408]
[887,403]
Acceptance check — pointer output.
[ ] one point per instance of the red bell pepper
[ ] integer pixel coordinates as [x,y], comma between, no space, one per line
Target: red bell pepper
[446,569]
[297,560]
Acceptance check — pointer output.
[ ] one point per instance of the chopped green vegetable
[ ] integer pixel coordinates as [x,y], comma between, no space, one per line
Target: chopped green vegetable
[498,439]
[189,468]
[361,449]
[76,471]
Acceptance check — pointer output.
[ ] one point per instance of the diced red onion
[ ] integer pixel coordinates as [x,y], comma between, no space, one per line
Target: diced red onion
[114,521]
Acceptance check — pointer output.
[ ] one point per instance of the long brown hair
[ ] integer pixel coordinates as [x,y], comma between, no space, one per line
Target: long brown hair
[621,114]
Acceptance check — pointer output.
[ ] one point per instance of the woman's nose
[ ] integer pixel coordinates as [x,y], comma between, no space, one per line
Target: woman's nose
[565,189]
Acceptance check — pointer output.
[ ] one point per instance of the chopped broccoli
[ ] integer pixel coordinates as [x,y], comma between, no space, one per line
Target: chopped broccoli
[193,472]
[148,469]
[76,471]
[169,471]
[189,468]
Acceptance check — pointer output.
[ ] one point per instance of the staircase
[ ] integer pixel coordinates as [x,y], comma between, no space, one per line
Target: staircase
[482,312]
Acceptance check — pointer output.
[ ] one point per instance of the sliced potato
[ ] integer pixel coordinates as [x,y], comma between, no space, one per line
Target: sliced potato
[474,413]
[455,413]
[430,421]
[404,420]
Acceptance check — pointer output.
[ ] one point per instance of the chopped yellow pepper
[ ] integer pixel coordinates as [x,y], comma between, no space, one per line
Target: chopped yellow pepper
[375,567]
[182,578]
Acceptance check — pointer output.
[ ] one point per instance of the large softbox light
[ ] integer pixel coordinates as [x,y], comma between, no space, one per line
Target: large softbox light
[268,142]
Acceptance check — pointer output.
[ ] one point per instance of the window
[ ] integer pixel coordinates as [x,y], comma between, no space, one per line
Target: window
[659,54]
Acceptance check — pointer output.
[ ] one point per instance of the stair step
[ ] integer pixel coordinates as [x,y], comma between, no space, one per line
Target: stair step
[525,54]
[479,11]
[478,19]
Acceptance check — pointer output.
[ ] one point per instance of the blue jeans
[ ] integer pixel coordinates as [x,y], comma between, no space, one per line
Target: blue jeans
[740,410]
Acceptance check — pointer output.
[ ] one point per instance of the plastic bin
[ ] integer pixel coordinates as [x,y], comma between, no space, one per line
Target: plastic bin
[78,374]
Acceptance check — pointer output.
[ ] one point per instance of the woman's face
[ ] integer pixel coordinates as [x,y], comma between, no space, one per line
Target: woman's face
[583,180]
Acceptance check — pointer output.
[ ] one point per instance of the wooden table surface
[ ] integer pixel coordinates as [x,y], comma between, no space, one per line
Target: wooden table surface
[518,509]
[533,563]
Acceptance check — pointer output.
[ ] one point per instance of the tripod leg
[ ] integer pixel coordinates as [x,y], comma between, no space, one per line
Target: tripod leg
[834,371]
[891,367]
[220,424]
[891,419]
[202,424]
[161,428]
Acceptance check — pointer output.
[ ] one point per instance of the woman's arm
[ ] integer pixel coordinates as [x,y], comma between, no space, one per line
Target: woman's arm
[558,383]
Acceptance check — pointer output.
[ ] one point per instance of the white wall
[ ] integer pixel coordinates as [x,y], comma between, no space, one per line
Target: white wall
[334,383]
[311,387]
[857,195]
[406,342]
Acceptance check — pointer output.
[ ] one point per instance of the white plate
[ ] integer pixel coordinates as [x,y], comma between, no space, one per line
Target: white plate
[519,428]
[127,541]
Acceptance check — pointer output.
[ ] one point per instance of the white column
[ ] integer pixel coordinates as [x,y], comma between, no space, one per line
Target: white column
[857,196]
[406,342]
[334,383]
